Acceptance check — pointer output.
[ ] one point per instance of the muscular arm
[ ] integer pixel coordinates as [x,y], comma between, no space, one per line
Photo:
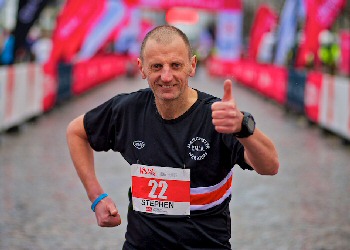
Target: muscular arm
[83,160]
[260,153]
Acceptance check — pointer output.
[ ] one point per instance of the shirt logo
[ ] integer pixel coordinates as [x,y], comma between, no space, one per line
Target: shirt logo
[198,148]
[139,144]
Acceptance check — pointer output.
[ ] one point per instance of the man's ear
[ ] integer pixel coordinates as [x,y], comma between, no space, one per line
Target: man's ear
[139,64]
[193,66]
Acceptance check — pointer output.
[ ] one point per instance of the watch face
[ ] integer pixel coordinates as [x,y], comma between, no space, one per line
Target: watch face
[251,124]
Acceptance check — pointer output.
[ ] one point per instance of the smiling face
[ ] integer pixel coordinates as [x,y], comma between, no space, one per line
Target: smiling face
[166,65]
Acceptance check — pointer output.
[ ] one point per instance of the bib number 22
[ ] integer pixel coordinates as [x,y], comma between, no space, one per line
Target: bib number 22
[161,184]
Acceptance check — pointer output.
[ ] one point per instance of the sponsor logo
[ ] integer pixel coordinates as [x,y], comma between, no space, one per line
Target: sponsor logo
[198,148]
[139,144]
[148,209]
[145,171]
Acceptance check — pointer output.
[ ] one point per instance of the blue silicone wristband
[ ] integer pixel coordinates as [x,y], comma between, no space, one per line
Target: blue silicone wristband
[100,198]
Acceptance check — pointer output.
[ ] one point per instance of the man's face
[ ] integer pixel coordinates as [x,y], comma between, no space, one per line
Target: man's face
[167,68]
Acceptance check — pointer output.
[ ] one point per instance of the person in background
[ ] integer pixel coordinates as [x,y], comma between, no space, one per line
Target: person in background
[7,50]
[329,51]
[182,145]
[42,46]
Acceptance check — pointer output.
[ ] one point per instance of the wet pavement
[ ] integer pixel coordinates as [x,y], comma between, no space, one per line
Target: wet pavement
[305,207]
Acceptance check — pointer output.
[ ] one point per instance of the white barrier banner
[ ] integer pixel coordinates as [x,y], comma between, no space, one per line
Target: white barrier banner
[335,105]
[3,84]
[21,93]
[35,91]
[13,92]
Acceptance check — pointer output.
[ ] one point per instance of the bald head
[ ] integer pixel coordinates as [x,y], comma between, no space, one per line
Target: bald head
[165,34]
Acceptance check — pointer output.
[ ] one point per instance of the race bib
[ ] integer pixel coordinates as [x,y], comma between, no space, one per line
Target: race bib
[160,190]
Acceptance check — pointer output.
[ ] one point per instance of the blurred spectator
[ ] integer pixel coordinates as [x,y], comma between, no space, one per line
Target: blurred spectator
[205,46]
[293,52]
[7,51]
[329,51]
[41,48]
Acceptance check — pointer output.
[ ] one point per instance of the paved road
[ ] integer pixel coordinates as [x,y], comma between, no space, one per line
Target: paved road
[306,206]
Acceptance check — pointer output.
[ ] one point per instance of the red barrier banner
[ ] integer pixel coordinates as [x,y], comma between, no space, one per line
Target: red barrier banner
[249,74]
[263,80]
[50,86]
[97,70]
[279,86]
[215,67]
[238,71]
[344,66]
[321,14]
[264,21]
[223,68]
[313,88]
[271,81]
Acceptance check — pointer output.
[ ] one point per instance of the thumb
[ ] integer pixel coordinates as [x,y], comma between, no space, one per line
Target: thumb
[113,210]
[227,91]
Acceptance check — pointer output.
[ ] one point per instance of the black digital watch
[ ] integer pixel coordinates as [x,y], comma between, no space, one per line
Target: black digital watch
[248,126]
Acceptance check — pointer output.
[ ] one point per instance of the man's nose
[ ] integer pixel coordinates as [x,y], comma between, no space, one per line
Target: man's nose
[166,75]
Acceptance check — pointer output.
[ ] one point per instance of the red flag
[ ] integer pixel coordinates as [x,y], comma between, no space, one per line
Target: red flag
[265,20]
[86,16]
[72,24]
[107,27]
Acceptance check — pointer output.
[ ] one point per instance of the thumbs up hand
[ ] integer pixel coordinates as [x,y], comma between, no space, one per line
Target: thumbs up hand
[227,118]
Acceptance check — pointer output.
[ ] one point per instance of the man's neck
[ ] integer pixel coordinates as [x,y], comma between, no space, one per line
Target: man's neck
[169,110]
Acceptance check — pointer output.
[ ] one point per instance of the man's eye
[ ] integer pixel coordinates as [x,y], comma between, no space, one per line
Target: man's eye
[156,66]
[176,65]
